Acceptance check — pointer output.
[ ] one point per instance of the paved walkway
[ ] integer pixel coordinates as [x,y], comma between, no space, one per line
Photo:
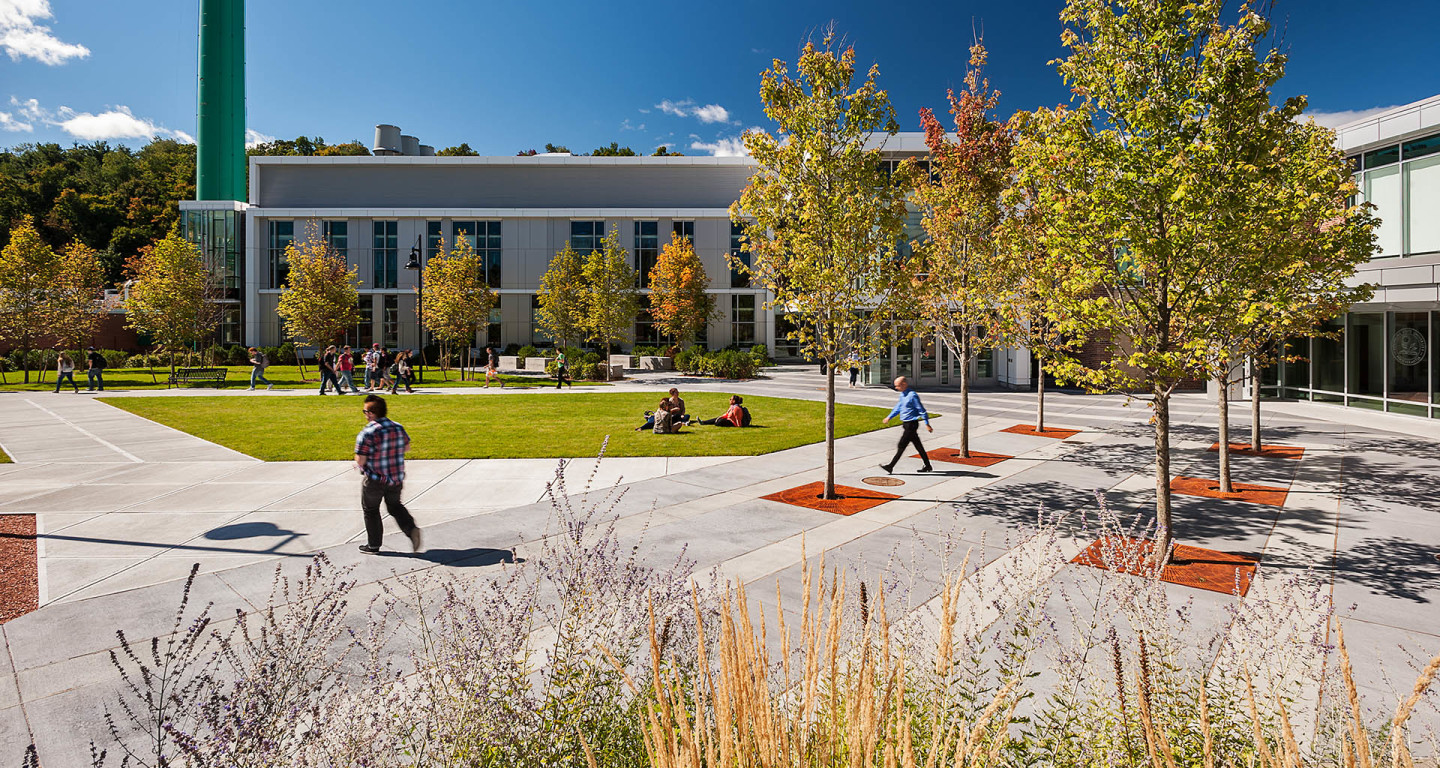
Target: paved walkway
[1362,509]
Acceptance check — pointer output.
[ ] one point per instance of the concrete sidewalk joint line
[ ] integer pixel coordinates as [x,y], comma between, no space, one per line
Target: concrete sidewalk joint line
[128,455]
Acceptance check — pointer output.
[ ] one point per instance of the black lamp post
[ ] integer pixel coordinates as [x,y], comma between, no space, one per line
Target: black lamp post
[414,264]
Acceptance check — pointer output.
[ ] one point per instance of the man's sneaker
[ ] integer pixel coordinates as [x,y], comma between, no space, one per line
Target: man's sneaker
[249,389]
[415,539]
[889,469]
[369,550]
[269,387]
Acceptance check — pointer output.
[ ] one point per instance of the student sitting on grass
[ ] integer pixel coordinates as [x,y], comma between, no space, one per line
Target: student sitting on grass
[661,420]
[737,416]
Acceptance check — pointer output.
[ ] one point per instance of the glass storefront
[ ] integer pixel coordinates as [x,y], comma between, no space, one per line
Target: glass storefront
[1376,360]
[220,237]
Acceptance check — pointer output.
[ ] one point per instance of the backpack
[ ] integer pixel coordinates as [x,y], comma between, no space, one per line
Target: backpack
[744,416]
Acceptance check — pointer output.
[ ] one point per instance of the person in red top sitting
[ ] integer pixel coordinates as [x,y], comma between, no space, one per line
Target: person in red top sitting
[735,417]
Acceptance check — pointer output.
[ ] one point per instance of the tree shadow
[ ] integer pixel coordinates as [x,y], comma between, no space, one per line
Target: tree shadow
[1392,566]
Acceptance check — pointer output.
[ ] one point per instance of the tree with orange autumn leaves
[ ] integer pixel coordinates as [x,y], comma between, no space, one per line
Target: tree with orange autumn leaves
[679,303]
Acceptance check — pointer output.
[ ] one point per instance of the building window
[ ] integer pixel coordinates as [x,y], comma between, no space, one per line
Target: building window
[742,318]
[647,247]
[586,236]
[646,332]
[386,254]
[537,334]
[282,234]
[484,237]
[363,334]
[390,322]
[492,329]
[433,234]
[685,230]
[337,234]
[739,278]
[1422,200]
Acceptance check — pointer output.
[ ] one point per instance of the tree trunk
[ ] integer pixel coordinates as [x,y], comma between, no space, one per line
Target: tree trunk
[830,429]
[1254,406]
[965,396]
[1222,402]
[25,363]
[1162,475]
[1040,398]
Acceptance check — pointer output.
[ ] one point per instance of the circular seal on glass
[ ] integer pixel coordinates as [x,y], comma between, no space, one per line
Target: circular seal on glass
[1408,346]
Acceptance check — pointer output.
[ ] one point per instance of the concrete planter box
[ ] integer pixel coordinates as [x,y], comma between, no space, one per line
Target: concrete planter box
[537,363]
[657,363]
[620,362]
[509,363]
[616,372]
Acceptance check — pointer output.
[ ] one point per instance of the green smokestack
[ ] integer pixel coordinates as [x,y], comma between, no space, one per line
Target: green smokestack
[220,134]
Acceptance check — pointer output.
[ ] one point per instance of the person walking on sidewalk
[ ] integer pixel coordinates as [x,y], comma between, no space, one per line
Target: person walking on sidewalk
[492,367]
[327,371]
[400,371]
[65,369]
[96,374]
[345,371]
[372,367]
[380,456]
[562,373]
[911,411]
[259,361]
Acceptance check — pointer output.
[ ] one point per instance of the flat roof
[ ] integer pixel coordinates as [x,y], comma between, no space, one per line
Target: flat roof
[1391,126]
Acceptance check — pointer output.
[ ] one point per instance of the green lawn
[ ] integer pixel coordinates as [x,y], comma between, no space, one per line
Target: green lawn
[283,376]
[3,458]
[495,426]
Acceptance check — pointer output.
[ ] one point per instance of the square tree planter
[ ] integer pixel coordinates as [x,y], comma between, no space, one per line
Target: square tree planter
[509,363]
[537,363]
[657,363]
[618,363]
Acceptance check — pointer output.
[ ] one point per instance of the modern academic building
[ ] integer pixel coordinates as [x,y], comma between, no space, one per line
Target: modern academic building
[389,213]
[1383,355]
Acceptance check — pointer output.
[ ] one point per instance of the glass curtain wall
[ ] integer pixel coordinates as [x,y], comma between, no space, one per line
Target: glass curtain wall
[1376,360]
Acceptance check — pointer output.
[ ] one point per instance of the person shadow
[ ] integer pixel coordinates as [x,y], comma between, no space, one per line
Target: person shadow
[471,557]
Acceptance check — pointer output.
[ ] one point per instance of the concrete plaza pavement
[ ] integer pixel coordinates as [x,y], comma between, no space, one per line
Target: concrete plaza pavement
[126,505]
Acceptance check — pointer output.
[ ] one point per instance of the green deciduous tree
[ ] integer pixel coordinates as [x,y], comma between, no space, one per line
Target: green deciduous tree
[614,150]
[612,300]
[562,297]
[29,269]
[320,298]
[679,301]
[172,298]
[957,268]
[1291,247]
[1125,184]
[79,283]
[822,217]
[463,150]
[457,299]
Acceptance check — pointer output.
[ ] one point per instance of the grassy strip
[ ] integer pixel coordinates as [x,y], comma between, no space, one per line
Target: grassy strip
[3,458]
[283,376]
[496,426]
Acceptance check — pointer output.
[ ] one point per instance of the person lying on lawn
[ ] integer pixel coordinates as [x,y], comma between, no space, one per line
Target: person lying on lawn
[734,417]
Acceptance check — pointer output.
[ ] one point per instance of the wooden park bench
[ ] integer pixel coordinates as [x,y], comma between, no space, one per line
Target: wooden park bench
[198,375]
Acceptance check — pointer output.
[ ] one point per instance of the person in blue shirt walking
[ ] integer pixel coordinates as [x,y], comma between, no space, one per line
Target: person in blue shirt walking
[911,411]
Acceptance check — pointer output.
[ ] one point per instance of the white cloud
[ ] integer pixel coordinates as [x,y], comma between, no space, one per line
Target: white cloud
[9,123]
[116,122]
[626,126]
[254,138]
[1342,117]
[712,113]
[709,113]
[732,146]
[183,137]
[21,37]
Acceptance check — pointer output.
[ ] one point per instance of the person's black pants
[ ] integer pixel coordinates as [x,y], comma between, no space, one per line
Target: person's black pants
[326,379]
[371,492]
[910,434]
[562,377]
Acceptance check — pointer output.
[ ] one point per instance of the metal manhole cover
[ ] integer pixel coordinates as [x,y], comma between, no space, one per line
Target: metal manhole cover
[885,481]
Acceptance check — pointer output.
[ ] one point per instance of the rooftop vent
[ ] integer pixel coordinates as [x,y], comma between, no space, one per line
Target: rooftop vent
[387,140]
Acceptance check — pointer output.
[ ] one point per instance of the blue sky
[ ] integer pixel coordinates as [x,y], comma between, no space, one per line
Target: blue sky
[506,76]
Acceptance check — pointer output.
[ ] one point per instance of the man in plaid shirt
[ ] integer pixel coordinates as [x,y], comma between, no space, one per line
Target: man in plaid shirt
[380,456]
